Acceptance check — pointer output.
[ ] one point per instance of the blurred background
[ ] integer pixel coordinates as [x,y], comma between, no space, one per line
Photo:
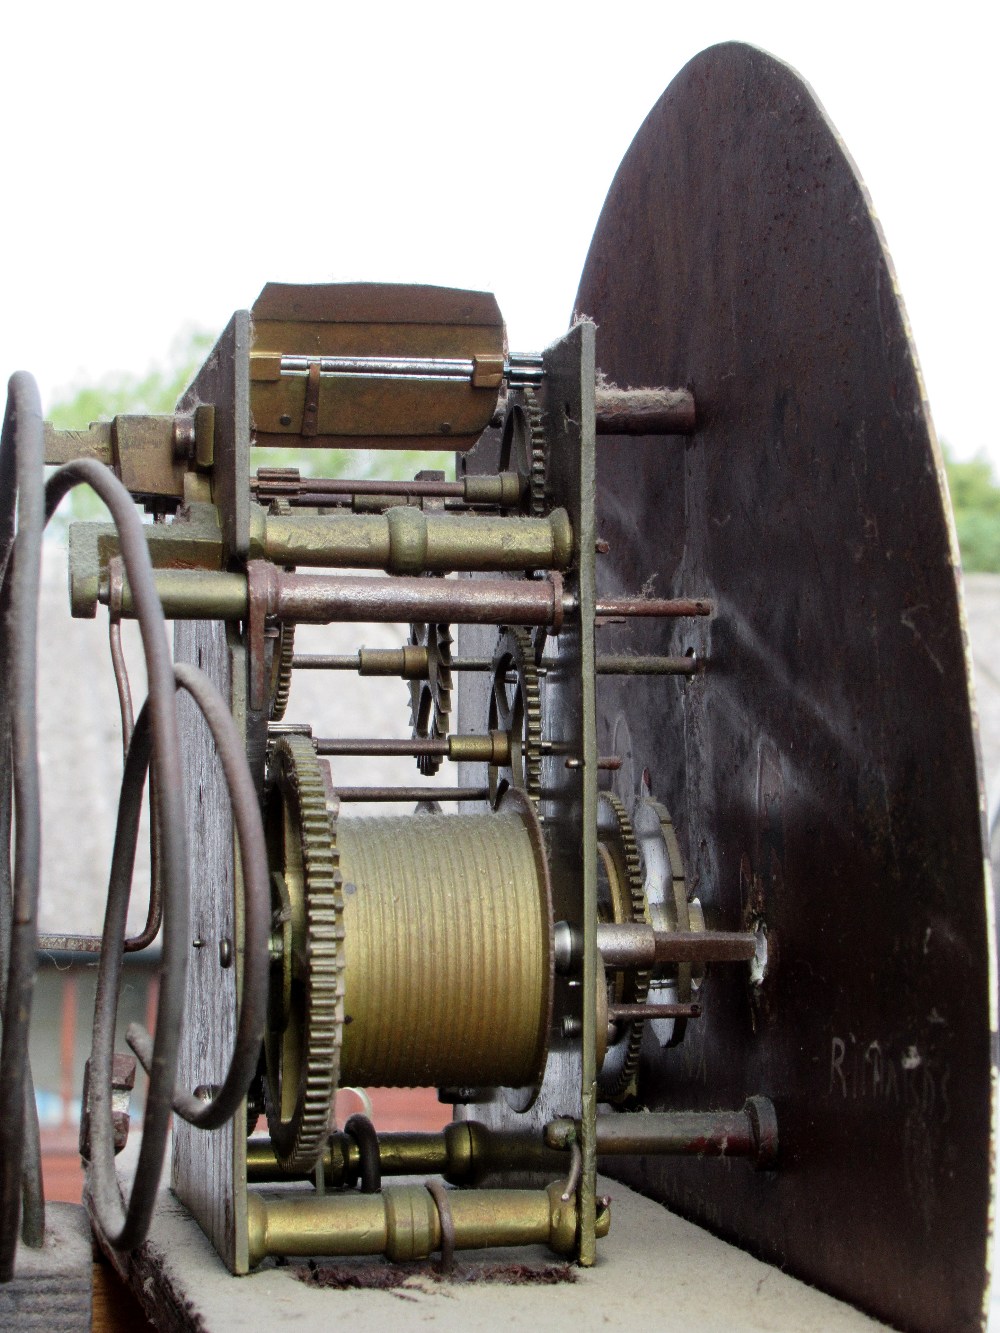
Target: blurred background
[163,162]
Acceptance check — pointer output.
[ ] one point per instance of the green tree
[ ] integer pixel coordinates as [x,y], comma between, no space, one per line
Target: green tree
[975,499]
[154,392]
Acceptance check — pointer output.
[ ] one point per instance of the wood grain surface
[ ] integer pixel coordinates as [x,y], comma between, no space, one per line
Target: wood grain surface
[208,1165]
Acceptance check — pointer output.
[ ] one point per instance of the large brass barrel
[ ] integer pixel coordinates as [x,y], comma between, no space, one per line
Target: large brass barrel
[448,949]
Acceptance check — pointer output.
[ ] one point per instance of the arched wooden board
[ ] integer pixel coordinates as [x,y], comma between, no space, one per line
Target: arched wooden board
[823,770]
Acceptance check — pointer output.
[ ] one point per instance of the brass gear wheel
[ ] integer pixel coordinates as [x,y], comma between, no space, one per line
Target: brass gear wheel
[625,901]
[523,449]
[516,708]
[430,699]
[666,889]
[281,670]
[283,648]
[306,1005]
[539,455]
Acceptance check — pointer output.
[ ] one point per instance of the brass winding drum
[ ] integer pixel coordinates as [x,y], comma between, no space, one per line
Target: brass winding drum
[448,949]
[418,948]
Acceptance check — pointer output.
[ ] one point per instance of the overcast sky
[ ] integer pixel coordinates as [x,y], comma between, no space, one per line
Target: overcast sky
[163,162]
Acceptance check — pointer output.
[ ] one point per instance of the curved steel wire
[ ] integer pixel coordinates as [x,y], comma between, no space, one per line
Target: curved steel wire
[32,1190]
[25,507]
[91,944]
[169,807]
[256,916]
[362,1131]
[438,1192]
[21,472]
[154,911]
[22,455]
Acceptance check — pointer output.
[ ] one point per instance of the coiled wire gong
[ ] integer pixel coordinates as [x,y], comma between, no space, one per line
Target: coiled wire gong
[822,769]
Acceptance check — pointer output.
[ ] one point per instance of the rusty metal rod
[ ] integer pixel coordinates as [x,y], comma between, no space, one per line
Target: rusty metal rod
[497,489]
[644,411]
[637,1012]
[375,504]
[199,594]
[409,662]
[354,662]
[320,599]
[637,945]
[317,500]
[425,793]
[493,748]
[653,606]
[69,944]
[326,662]
[499,496]
[380,746]
[750,1132]
[606,665]
[355,486]
[648,666]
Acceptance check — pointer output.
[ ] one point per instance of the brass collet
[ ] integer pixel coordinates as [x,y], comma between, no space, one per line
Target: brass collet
[406,540]
[403,1222]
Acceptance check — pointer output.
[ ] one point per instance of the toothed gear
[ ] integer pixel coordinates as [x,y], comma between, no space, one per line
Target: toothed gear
[684,918]
[430,699]
[281,671]
[284,647]
[523,449]
[516,708]
[303,1055]
[539,455]
[632,987]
